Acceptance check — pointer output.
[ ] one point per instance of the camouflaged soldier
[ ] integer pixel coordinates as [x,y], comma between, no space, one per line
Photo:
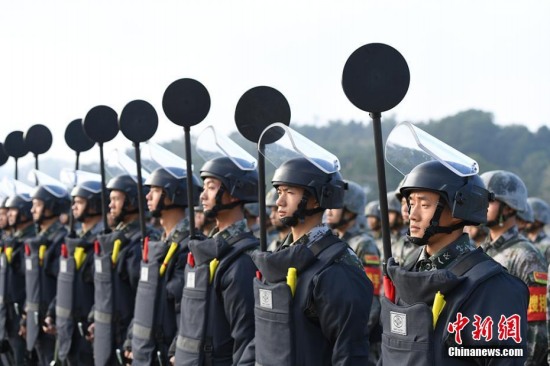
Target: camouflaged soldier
[517,254]
[374,223]
[535,230]
[524,219]
[346,223]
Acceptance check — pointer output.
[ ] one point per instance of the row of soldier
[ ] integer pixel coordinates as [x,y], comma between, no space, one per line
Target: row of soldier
[107,299]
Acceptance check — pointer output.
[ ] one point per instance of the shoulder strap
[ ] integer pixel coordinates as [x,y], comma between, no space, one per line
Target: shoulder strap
[469,262]
[323,244]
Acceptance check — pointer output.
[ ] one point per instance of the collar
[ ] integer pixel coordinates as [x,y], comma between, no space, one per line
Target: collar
[233,230]
[26,232]
[511,233]
[181,227]
[52,229]
[540,237]
[310,237]
[446,255]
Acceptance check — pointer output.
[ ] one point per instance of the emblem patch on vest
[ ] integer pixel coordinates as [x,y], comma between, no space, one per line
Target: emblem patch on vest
[28,264]
[266,300]
[190,283]
[98,265]
[398,323]
[63,265]
[144,275]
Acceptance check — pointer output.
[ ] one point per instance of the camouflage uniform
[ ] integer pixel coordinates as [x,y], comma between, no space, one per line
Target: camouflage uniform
[523,260]
[404,251]
[542,243]
[366,250]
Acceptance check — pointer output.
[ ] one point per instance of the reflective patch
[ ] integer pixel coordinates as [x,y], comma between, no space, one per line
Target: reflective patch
[540,277]
[144,276]
[537,304]
[266,300]
[188,344]
[63,265]
[2,261]
[398,323]
[28,264]
[98,265]
[190,283]
[139,331]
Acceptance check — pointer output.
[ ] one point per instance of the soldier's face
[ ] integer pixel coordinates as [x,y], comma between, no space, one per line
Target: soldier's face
[333,215]
[373,223]
[116,203]
[422,208]
[12,216]
[492,210]
[79,206]
[37,209]
[404,209]
[274,217]
[211,187]
[289,199]
[153,197]
[3,218]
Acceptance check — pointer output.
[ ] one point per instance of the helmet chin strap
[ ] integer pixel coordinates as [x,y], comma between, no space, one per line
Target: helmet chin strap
[342,221]
[301,212]
[213,212]
[501,217]
[157,212]
[434,227]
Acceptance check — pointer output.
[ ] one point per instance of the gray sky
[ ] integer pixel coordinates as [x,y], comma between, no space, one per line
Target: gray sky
[61,58]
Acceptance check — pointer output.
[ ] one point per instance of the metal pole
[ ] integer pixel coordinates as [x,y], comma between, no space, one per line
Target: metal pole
[189,168]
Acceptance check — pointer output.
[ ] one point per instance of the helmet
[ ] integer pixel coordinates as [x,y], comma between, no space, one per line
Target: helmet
[239,183]
[373,209]
[3,202]
[328,189]
[91,191]
[252,208]
[393,203]
[355,198]
[173,181]
[127,184]
[23,203]
[541,209]
[527,215]
[397,192]
[271,198]
[55,198]
[465,196]
[507,187]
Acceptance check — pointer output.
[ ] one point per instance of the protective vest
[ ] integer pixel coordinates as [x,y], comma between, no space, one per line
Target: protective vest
[74,292]
[41,269]
[113,294]
[153,327]
[204,341]
[409,335]
[286,330]
[12,287]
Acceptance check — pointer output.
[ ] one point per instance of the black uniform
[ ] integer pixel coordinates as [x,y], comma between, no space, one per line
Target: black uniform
[158,297]
[324,320]
[476,289]
[42,268]
[115,284]
[75,298]
[12,293]
[217,304]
